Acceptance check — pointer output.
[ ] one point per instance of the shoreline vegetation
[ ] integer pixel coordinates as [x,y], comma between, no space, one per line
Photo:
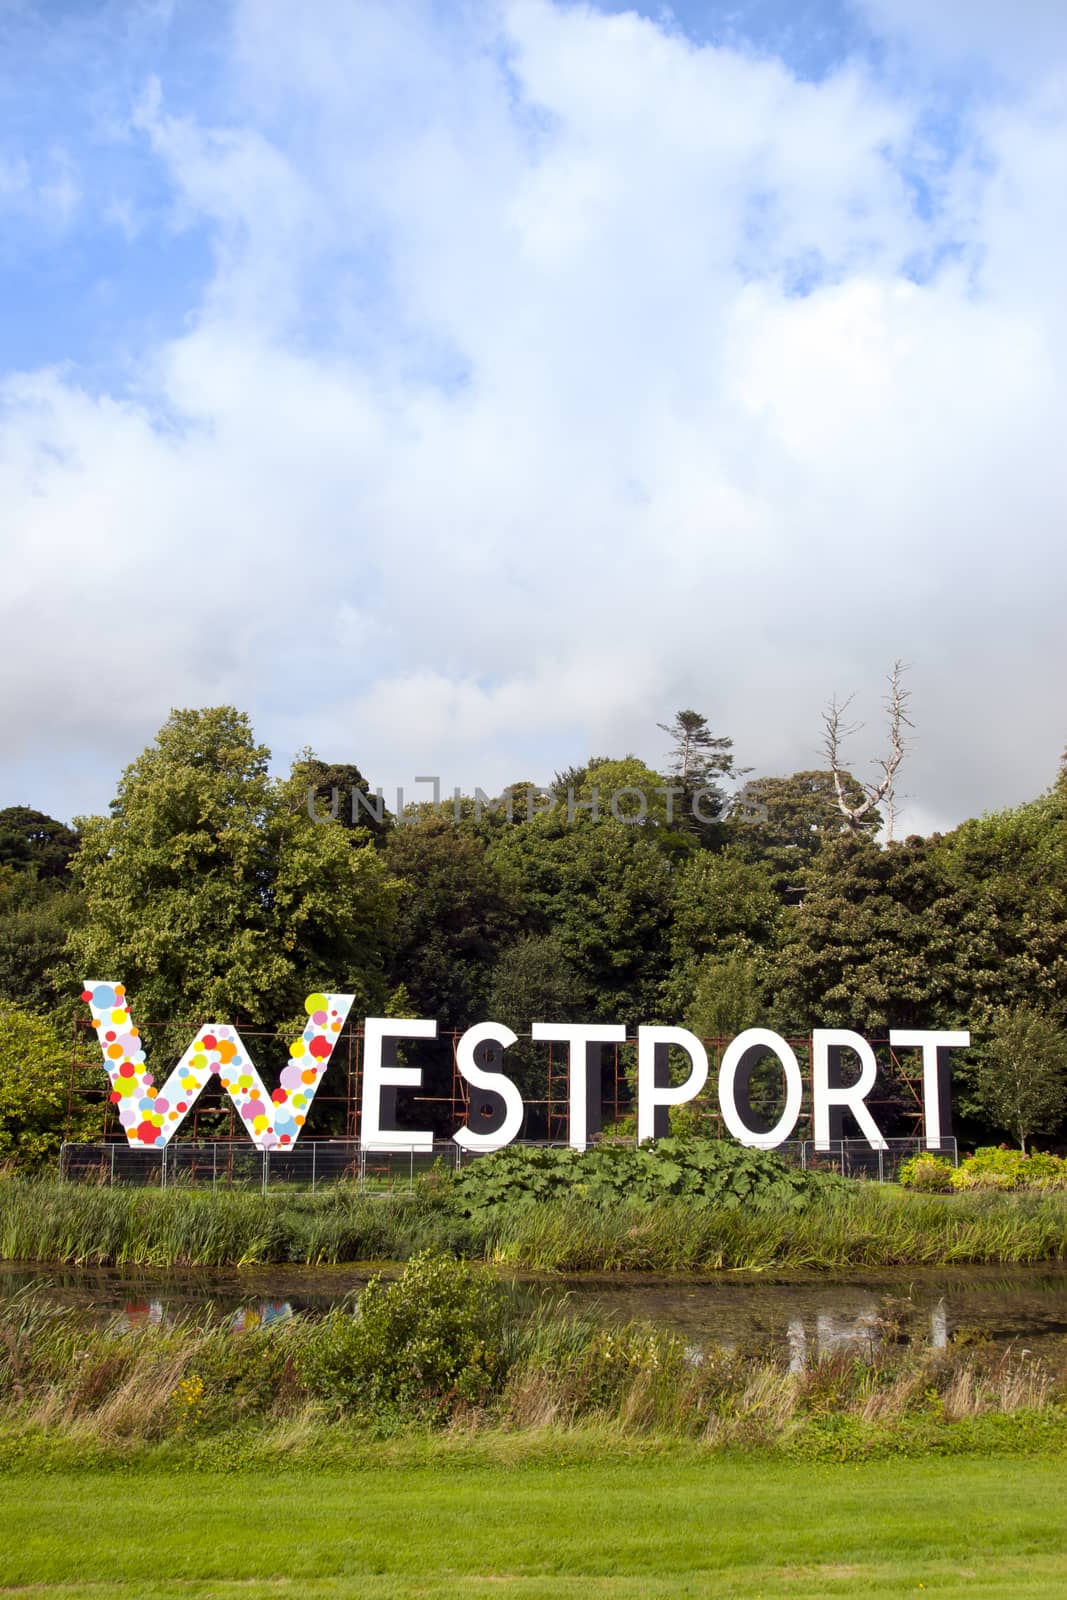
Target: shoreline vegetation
[441,1361]
[441,1351]
[52,1224]
[681,1206]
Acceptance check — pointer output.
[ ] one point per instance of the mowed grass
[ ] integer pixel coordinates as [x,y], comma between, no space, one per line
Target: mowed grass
[675,1525]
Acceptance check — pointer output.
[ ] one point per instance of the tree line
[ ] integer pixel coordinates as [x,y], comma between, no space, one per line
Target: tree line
[210,891]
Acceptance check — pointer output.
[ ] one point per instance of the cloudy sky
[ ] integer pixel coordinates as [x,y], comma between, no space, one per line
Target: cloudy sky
[463,387]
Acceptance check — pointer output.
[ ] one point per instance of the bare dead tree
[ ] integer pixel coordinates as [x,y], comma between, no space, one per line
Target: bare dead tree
[837,730]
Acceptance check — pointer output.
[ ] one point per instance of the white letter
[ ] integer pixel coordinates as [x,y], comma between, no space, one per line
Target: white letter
[436,789]
[650,1094]
[631,818]
[574,806]
[935,1074]
[377,1077]
[757,1042]
[849,1097]
[533,810]
[478,1078]
[584,1096]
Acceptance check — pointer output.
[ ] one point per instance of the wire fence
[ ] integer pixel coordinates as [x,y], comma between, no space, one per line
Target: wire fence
[239,1164]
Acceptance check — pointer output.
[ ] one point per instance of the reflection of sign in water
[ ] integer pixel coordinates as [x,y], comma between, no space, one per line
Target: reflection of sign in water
[143,1313]
[809,1344]
[151,1313]
[151,1116]
[261,1315]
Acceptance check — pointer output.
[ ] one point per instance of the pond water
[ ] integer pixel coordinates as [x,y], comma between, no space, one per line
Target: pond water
[808,1313]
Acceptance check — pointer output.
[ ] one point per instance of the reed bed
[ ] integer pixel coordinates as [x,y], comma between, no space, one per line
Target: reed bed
[865,1226]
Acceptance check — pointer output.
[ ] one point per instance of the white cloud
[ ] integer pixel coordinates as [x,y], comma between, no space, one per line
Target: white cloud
[502,430]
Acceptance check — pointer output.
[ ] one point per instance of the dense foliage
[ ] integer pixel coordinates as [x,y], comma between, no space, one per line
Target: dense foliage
[926,1172]
[705,1173]
[209,890]
[994,1167]
[1000,1168]
[421,1343]
[34,1079]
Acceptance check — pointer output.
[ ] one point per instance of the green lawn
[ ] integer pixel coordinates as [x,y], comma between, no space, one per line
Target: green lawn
[620,1527]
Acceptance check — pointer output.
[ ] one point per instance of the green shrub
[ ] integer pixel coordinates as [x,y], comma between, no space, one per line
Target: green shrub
[705,1173]
[926,1172]
[429,1341]
[997,1167]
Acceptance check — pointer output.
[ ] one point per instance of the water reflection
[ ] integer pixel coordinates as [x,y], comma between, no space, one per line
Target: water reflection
[142,1313]
[261,1315]
[137,1314]
[808,1343]
[807,1315]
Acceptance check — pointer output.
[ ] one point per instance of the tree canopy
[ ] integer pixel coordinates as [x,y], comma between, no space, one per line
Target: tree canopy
[210,891]
[209,895]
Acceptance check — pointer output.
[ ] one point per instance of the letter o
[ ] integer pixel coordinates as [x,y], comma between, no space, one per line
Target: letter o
[631,818]
[757,1042]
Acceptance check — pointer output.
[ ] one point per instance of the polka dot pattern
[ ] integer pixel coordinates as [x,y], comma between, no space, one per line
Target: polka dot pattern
[151,1116]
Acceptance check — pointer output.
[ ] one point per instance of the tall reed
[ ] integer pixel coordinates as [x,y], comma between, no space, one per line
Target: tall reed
[866,1226]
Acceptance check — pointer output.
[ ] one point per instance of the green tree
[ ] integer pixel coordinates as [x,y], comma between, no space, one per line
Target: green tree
[210,896]
[884,938]
[604,890]
[726,995]
[697,760]
[640,801]
[1013,864]
[37,907]
[32,842]
[786,821]
[34,929]
[533,981]
[720,901]
[1019,1081]
[334,789]
[458,907]
[35,1068]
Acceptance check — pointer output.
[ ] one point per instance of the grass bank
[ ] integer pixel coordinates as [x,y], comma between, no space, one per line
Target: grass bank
[860,1225]
[646,1529]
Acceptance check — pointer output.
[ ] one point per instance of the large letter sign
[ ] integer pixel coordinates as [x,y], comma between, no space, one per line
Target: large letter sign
[151,1116]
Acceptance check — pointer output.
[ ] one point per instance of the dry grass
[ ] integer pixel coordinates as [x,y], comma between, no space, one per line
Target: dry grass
[103,1389]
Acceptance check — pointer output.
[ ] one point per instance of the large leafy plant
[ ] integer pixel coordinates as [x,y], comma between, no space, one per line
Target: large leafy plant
[705,1173]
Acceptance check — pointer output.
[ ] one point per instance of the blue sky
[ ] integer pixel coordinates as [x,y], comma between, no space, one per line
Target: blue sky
[462,387]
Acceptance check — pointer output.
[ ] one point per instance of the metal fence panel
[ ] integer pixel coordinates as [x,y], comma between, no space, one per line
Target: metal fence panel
[238,1164]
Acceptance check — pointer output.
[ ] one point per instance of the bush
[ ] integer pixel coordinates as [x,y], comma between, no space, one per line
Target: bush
[34,1073]
[431,1340]
[704,1173]
[997,1167]
[926,1172]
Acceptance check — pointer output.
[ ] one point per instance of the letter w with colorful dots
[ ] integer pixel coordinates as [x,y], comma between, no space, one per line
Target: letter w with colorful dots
[151,1116]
